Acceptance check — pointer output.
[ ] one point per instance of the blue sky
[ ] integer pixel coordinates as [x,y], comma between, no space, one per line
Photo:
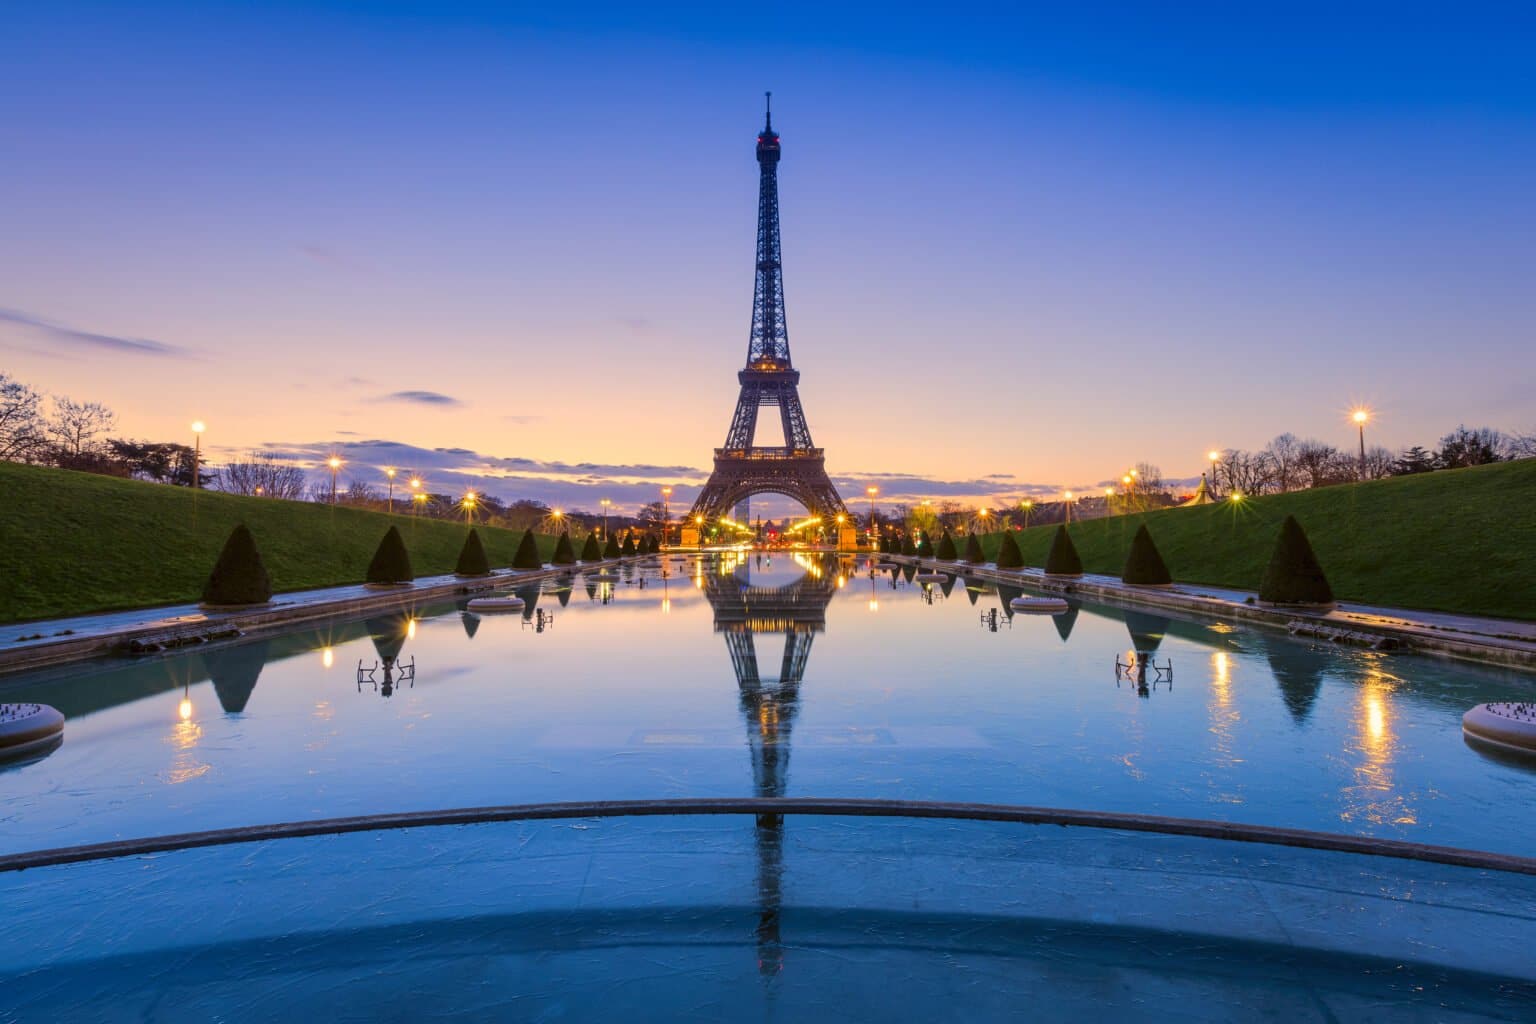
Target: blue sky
[1068,241]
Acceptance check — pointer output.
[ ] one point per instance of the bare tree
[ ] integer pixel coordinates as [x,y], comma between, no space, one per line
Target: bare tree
[1282,454]
[263,475]
[1379,462]
[1522,446]
[1316,464]
[21,421]
[75,426]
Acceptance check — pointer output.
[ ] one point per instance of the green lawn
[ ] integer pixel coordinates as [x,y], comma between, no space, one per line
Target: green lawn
[72,543]
[1460,540]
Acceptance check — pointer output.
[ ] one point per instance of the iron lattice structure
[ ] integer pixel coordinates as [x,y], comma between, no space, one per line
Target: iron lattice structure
[742,467]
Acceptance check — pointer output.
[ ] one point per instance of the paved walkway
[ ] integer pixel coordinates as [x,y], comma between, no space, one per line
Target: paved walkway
[50,641]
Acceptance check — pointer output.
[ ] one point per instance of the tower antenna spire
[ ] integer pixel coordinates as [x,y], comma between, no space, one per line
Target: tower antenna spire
[768,108]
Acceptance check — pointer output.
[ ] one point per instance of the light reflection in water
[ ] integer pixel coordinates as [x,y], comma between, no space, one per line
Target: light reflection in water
[185,733]
[1374,796]
[327,657]
[1224,716]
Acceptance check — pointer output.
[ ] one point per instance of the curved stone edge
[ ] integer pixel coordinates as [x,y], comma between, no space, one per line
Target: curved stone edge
[1482,723]
[34,735]
[495,604]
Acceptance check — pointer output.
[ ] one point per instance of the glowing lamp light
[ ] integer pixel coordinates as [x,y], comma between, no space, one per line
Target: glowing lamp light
[415,483]
[1237,495]
[185,710]
[410,629]
[1361,416]
[1213,455]
[199,426]
[333,462]
[1109,492]
[1126,480]
[327,657]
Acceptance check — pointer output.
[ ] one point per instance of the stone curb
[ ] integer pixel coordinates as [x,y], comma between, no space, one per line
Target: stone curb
[1419,639]
[269,618]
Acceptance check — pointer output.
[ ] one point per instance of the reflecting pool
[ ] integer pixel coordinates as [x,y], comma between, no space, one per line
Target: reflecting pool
[771,675]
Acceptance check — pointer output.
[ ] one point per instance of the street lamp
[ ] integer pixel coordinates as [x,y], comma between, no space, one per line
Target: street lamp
[666,514]
[1215,457]
[1067,518]
[1026,505]
[197,451]
[335,463]
[872,491]
[468,501]
[1361,416]
[390,471]
[606,504]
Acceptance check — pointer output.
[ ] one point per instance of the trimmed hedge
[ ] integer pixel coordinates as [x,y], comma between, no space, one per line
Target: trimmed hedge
[239,576]
[628,548]
[1008,554]
[591,551]
[907,547]
[611,549]
[1294,575]
[1063,559]
[565,554]
[1144,566]
[946,549]
[527,556]
[925,547]
[391,562]
[472,560]
[973,553]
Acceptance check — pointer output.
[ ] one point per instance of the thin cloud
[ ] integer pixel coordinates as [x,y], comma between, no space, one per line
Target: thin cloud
[420,398]
[332,257]
[72,337]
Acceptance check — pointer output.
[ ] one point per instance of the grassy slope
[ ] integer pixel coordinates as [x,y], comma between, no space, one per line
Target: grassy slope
[1461,540]
[72,543]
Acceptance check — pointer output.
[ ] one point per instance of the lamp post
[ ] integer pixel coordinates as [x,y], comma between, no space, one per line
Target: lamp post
[872,491]
[335,464]
[390,471]
[197,452]
[416,495]
[1214,457]
[666,514]
[1026,505]
[1361,417]
[417,501]
[469,506]
[1067,505]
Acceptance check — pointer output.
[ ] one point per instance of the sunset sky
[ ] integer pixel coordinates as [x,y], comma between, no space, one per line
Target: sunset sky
[513,246]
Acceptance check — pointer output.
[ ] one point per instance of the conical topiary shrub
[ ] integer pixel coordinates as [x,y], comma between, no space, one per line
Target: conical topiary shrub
[391,565]
[628,549]
[925,547]
[472,560]
[1294,576]
[527,554]
[1144,566]
[565,554]
[946,549]
[591,551]
[973,553]
[885,545]
[1063,559]
[238,577]
[611,549]
[1008,554]
[907,547]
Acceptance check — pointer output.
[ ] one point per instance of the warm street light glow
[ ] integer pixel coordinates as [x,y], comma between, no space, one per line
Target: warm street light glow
[1126,480]
[415,483]
[1237,495]
[1109,492]
[1133,472]
[334,462]
[185,710]
[1361,415]
[871,490]
[1213,455]
[390,471]
[198,427]
[1069,495]
[327,657]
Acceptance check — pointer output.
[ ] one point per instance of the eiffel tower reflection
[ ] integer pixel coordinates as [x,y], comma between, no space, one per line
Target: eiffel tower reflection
[744,611]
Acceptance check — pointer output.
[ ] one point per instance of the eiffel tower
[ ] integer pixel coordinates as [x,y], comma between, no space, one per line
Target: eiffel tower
[742,467]
[744,611]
